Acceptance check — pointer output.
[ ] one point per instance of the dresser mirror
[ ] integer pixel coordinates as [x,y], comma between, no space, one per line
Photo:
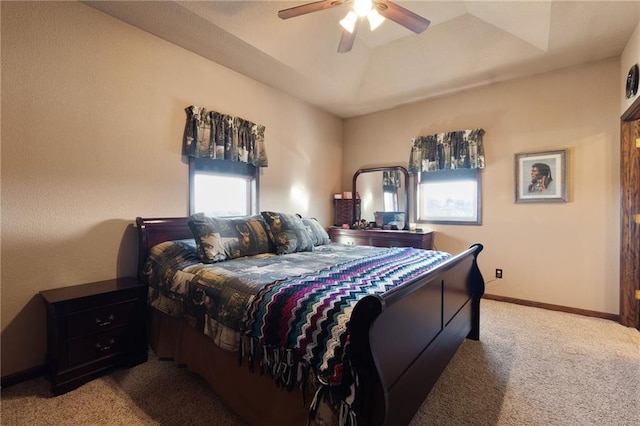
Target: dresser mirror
[384,197]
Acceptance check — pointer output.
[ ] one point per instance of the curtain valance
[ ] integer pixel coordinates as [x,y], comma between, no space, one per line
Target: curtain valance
[443,151]
[210,134]
[390,180]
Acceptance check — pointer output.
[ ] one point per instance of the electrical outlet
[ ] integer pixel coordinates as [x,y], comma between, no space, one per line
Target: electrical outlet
[498,273]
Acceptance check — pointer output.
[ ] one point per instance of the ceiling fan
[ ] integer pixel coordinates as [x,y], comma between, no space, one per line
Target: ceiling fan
[375,11]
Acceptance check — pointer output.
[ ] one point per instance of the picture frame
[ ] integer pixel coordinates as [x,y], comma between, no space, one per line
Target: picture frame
[541,177]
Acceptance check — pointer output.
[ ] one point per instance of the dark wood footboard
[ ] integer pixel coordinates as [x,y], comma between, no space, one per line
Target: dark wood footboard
[402,341]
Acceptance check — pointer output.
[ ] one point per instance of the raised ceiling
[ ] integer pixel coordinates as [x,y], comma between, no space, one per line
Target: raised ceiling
[469,44]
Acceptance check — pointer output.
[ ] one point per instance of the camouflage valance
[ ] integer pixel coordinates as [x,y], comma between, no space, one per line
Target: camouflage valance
[391,180]
[454,150]
[210,134]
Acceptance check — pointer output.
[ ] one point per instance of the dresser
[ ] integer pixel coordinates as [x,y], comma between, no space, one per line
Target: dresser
[92,328]
[382,238]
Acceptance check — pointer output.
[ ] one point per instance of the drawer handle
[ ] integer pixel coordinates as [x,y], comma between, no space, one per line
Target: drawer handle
[103,323]
[105,348]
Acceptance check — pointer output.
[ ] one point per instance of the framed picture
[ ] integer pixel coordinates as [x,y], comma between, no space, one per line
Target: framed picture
[541,177]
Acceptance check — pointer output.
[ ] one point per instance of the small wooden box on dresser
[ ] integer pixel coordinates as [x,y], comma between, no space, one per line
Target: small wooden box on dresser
[382,238]
[92,328]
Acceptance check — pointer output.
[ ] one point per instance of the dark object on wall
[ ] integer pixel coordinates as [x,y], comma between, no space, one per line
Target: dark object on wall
[632,82]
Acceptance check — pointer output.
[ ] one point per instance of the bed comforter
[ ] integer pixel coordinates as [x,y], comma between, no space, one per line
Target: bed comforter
[289,312]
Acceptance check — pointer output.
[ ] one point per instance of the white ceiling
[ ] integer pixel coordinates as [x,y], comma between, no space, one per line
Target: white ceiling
[469,43]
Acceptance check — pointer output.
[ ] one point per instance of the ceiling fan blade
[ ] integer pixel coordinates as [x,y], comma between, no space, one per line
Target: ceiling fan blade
[347,39]
[303,9]
[402,16]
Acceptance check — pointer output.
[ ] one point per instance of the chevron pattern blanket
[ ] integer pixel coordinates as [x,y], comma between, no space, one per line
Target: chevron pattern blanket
[305,320]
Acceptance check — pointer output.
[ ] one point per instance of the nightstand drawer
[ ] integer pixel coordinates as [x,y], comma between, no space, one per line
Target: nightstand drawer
[89,348]
[98,320]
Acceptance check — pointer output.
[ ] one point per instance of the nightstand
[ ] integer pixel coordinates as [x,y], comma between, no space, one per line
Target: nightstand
[92,328]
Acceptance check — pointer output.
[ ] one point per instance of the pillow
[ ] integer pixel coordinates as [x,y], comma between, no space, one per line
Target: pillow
[287,232]
[223,238]
[318,234]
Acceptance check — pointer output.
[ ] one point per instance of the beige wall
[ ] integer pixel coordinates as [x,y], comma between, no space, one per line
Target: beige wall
[565,254]
[92,121]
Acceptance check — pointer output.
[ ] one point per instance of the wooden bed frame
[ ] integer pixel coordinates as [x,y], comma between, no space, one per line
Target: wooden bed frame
[400,342]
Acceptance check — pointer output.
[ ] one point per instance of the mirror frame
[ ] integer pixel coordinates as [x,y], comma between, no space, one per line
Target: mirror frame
[404,172]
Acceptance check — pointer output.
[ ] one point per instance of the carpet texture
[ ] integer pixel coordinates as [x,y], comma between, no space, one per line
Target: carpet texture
[531,367]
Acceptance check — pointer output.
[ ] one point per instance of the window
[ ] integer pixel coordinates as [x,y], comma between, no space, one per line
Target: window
[390,200]
[450,197]
[222,187]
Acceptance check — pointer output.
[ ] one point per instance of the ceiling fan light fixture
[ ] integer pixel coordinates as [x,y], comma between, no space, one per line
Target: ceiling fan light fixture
[374,10]
[362,7]
[349,21]
[375,19]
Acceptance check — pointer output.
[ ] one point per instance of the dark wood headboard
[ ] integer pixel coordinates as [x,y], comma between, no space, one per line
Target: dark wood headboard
[152,231]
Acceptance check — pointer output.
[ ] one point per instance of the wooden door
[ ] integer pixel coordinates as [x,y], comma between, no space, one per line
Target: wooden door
[630,218]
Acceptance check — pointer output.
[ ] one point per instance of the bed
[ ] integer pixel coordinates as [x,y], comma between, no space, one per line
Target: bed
[398,341]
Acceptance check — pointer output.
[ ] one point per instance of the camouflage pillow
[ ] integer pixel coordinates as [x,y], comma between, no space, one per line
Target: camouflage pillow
[288,232]
[317,233]
[224,238]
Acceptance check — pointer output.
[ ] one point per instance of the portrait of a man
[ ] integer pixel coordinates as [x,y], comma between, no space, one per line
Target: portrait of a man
[541,177]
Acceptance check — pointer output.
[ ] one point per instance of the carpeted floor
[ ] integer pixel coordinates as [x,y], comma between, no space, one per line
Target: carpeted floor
[531,367]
